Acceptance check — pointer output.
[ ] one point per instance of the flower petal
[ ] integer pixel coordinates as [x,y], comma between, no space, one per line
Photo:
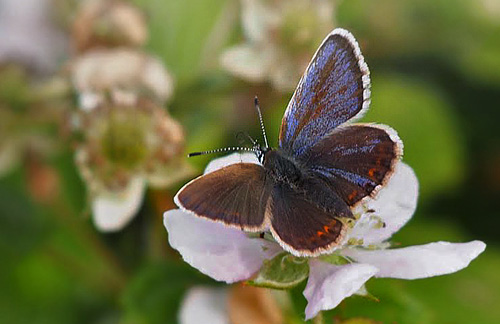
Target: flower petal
[231,159]
[204,305]
[223,253]
[89,100]
[258,20]
[130,71]
[420,261]
[394,206]
[30,36]
[247,62]
[284,75]
[329,284]
[111,212]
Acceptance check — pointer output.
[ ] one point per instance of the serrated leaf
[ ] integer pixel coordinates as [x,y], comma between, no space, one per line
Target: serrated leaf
[284,271]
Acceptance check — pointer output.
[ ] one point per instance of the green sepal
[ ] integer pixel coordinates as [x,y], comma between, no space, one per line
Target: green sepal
[335,259]
[363,292]
[284,271]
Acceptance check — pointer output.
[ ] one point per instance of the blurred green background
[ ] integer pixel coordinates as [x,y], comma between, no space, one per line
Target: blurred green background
[435,68]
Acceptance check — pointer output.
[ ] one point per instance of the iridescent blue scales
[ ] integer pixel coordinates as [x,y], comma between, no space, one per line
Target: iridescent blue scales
[334,89]
[305,190]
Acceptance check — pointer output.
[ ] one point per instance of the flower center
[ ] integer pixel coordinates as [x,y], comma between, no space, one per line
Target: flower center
[124,139]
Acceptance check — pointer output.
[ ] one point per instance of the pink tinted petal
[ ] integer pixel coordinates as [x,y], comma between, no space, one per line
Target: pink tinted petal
[113,211]
[329,284]
[394,205]
[204,305]
[225,254]
[231,159]
[30,36]
[420,261]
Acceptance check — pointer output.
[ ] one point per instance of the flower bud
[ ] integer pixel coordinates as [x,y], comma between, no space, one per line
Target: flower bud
[120,73]
[108,23]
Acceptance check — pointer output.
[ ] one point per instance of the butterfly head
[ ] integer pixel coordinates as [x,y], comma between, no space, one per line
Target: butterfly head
[261,152]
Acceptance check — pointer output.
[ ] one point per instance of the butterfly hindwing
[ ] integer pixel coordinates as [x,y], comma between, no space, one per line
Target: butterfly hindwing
[333,90]
[235,195]
[300,225]
[355,160]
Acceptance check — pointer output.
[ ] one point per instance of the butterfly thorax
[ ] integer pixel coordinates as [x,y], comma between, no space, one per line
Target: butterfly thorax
[289,173]
[282,168]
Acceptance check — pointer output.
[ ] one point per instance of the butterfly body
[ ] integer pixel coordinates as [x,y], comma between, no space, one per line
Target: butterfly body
[284,172]
[324,165]
[282,168]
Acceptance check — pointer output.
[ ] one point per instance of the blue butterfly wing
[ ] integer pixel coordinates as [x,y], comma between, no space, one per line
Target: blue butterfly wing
[333,90]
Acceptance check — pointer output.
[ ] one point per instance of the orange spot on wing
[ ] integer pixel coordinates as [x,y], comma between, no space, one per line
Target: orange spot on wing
[352,195]
[319,233]
[371,172]
[326,228]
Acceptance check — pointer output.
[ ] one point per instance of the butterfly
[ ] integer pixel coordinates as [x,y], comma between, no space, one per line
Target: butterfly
[304,191]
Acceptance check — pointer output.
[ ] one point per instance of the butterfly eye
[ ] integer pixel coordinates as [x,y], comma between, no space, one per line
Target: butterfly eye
[260,154]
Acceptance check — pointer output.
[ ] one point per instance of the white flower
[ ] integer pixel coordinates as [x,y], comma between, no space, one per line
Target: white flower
[204,305]
[229,255]
[129,140]
[280,37]
[28,35]
[111,211]
[108,23]
[123,73]
[124,149]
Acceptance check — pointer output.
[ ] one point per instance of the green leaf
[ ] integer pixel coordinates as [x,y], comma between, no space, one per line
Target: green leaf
[284,271]
[22,227]
[179,31]
[425,122]
[156,291]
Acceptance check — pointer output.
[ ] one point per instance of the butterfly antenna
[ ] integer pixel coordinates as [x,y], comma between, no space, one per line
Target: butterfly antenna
[224,149]
[256,101]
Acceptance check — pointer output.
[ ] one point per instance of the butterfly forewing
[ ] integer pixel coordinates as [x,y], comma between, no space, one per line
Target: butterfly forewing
[355,160]
[333,90]
[235,195]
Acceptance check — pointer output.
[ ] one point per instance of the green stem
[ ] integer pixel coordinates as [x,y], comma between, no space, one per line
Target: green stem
[318,319]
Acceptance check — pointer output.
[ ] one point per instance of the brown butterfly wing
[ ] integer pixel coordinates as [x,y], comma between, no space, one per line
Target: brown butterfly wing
[355,160]
[235,195]
[301,226]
